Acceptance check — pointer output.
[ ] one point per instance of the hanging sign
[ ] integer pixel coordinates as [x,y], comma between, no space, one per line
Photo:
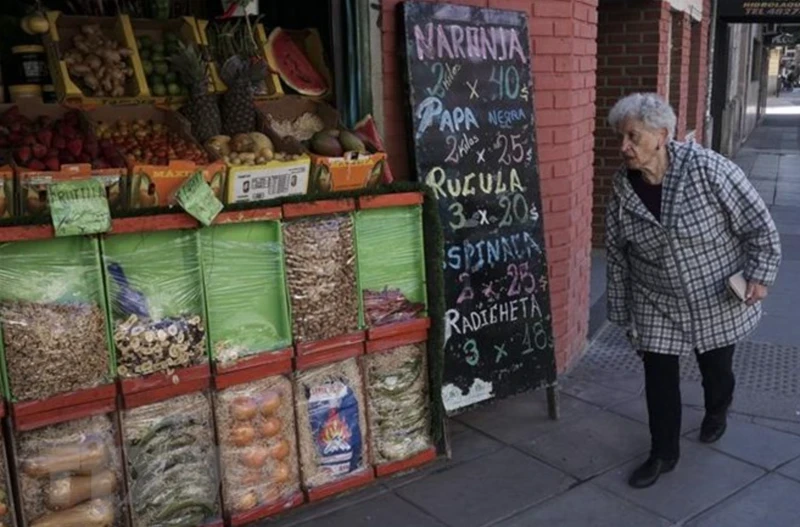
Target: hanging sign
[470,94]
[79,207]
[197,198]
[755,11]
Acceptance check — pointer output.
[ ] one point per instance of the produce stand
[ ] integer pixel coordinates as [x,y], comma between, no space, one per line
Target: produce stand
[315,283]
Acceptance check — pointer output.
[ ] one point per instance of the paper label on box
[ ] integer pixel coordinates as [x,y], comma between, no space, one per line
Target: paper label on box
[197,198]
[267,183]
[79,207]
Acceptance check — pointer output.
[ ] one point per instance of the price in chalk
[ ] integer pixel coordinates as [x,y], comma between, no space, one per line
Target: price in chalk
[507,81]
[79,207]
[197,198]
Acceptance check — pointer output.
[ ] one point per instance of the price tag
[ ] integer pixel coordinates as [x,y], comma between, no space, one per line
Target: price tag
[197,198]
[79,207]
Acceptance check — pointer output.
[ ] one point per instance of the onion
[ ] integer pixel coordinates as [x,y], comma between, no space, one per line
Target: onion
[243,408]
[242,435]
[269,404]
[270,427]
[280,450]
[255,457]
[247,502]
[282,473]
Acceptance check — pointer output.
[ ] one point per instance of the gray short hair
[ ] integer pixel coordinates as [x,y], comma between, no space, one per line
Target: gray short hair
[648,108]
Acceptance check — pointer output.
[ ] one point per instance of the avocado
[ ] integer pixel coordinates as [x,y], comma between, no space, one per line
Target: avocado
[324,144]
[351,143]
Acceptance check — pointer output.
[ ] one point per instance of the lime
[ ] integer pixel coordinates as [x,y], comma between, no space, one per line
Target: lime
[170,77]
[170,37]
[171,49]
[159,90]
[173,89]
[145,41]
[161,68]
[147,66]
[157,57]
[144,54]
[155,79]
[158,47]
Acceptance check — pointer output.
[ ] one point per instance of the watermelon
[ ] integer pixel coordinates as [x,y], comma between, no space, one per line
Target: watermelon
[294,68]
[368,132]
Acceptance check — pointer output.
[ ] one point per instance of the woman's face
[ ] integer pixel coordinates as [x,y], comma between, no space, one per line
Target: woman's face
[640,143]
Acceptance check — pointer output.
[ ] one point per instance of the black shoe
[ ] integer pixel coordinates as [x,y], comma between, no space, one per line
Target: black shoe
[713,428]
[647,474]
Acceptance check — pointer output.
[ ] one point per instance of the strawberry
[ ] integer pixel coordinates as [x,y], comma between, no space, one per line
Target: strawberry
[52,152]
[45,137]
[4,142]
[66,158]
[91,147]
[84,157]
[39,151]
[15,139]
[35,164]
[28,140]
[52,164]
[44,121]
[23,155]
[59,142]
[99,164]
[75,146]
[10,115]
[15,126]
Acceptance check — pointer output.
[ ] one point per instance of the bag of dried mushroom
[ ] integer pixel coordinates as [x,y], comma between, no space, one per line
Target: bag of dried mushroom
[321,273]
[391,264]
[258,447]
[398,402]
[70,474]
[156,296]
[331,425]
[171,461]
[7,518]
[52,315]
[245,290]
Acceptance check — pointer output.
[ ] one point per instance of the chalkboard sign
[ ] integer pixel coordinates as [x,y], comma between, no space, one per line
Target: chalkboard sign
[470,100]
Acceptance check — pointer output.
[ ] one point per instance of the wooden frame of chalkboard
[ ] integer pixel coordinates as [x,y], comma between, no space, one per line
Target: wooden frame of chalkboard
[470,112]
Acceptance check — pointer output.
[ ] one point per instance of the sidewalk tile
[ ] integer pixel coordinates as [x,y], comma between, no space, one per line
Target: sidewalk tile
[637,409]
[758,445]
[784,426]
[771,501]
[386,511]
[791,470]
[592,393]
[524,417]
[310,512]
[592,445]
[487,489]
[585,506]
[702,478]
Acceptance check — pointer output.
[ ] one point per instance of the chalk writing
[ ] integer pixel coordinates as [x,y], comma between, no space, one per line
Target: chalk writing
[439,41]
[507,118]
[473,184]
[494,250]
[450,121]
[507,80]
[517,309]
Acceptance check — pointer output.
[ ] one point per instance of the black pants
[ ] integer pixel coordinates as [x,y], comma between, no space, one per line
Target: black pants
[663,389]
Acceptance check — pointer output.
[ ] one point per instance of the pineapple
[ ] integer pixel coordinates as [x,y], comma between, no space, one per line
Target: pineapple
[201,107]
[238,111]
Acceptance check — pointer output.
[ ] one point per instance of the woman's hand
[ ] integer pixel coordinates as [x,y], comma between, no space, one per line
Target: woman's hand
[755,293]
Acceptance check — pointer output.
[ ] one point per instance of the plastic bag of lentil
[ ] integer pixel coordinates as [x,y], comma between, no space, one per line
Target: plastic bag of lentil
[331,423]
[171,462]
[321,273]
[7,515]
[155,292]
[70,474]
[398,402]
[258,445]
[52,315]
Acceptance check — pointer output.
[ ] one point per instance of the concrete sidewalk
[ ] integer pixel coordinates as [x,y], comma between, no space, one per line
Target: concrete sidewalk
[511,466]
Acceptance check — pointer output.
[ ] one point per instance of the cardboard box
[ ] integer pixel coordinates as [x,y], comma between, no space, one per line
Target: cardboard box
[272,85]
[31,185]
[155,185]
[348,172]
[7,201]
[59,39]
[186,30]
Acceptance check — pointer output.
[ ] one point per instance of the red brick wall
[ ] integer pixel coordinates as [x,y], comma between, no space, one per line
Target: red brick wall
[679,71]
[564,51]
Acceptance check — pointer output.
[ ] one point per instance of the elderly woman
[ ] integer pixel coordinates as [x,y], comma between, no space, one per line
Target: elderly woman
[681,222]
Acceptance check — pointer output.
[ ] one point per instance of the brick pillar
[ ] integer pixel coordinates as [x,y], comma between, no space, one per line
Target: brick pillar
[632,56]
[679,71]
[563,46]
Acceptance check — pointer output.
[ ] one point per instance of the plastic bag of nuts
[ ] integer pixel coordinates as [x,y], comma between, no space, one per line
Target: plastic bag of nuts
[70,474]
[155,293]
[6,502]
[398,402]
[321,273]
[54,328]
[256,429]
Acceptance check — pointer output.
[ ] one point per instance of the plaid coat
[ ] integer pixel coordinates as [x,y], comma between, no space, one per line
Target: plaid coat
[668,279]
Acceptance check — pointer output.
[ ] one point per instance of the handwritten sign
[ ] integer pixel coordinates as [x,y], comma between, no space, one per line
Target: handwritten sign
[79,207]
[469,88]
[197,198]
